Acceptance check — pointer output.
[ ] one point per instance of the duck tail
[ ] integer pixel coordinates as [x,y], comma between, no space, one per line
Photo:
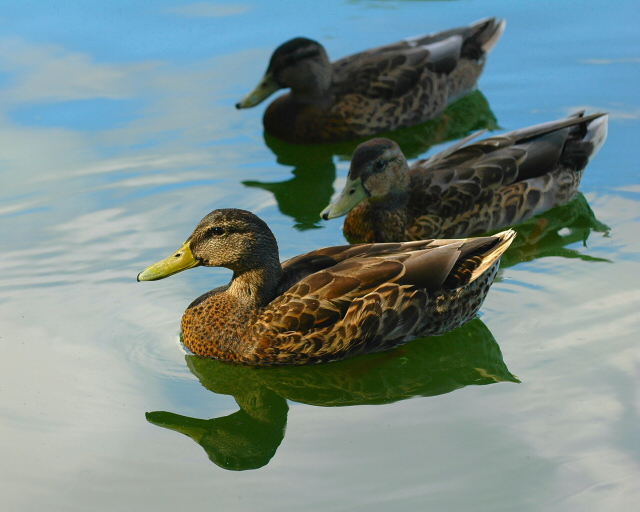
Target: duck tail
[504,241]
[487,32]
[597,133]
[585,140]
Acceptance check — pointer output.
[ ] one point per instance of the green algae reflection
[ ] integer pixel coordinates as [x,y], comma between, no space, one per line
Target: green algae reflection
[249,438]
[314,170]
[550,234]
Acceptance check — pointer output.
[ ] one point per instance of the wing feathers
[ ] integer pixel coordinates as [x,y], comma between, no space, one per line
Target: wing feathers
[378,298]
[429,269]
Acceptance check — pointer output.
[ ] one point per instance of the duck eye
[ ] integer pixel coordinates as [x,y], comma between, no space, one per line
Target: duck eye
[352,191]
[217,231]
[379,165]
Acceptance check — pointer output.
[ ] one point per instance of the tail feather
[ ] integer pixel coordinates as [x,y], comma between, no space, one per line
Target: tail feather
[584,142]
[534,131]
[506,237]
[481,35]
[490,33]
[597,134]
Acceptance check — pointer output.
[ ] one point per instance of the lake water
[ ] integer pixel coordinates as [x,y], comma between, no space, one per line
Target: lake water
[118,134]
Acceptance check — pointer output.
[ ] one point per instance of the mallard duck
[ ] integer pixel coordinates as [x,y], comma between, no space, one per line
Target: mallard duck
[468,189]
[372,92]
[328,304]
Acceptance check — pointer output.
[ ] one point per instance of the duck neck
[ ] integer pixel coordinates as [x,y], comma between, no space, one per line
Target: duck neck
[389,216]
[315,97]
[256,287]
[316,88]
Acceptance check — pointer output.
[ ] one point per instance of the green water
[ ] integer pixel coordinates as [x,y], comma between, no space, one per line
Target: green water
[118,134]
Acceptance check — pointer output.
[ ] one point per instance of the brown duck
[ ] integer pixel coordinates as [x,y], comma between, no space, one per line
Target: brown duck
[468,189]
[372,92]
[328,304]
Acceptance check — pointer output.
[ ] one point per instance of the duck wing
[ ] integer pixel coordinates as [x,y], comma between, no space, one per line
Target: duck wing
[323,297]
[299,267]
[391,71]
[370,301]
[452,182]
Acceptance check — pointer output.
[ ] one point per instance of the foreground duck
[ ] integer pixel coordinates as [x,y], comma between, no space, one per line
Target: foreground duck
[372,92]
[468,189]
[328,304]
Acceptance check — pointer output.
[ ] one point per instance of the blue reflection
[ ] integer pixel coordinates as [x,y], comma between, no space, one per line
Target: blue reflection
[86,115]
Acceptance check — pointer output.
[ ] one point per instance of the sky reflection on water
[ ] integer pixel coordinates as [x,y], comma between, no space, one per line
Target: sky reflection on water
[119,133]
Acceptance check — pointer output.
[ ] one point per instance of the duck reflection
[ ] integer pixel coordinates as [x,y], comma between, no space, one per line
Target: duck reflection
[249,438]
[305,195]
[549,234]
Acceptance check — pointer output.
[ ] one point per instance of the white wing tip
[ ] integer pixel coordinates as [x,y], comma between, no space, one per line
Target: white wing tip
[597,133]
[488,45]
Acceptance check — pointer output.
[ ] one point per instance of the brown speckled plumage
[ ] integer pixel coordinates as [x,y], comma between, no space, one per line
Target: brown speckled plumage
[468,189]
[372,92]
[331,303]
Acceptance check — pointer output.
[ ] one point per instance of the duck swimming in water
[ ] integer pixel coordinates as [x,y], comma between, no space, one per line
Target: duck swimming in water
[372,92]
[328,304]
[468,189]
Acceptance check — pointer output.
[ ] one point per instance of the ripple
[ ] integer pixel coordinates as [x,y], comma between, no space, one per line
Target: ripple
[159,357]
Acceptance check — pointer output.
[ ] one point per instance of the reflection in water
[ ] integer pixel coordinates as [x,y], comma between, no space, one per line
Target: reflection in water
[249,438]
[246,439]
[549,234]
[305,195]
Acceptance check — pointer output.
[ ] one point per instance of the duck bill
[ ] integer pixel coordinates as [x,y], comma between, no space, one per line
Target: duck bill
[192,427]
[183,259]
[267,86]
[351,195]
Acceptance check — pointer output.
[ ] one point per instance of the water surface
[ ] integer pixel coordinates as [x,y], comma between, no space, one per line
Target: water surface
[118,133]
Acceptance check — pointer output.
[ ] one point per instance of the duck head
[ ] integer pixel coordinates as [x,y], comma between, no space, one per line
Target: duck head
[378,172]
[300,64]
[230,238]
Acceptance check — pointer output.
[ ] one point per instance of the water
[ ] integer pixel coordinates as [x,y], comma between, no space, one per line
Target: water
[118,133]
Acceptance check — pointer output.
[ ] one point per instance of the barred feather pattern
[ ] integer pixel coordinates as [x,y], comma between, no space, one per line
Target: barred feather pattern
[384,318]
[506,207]
[484,186]
[387,88]
[343,301]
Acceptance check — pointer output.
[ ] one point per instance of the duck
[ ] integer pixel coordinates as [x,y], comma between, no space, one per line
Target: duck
[328,304]
[372,92]
[469,189]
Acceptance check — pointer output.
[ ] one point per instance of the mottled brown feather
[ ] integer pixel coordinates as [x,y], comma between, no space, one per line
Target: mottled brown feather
[482,186]
[378,90]
[347,301]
